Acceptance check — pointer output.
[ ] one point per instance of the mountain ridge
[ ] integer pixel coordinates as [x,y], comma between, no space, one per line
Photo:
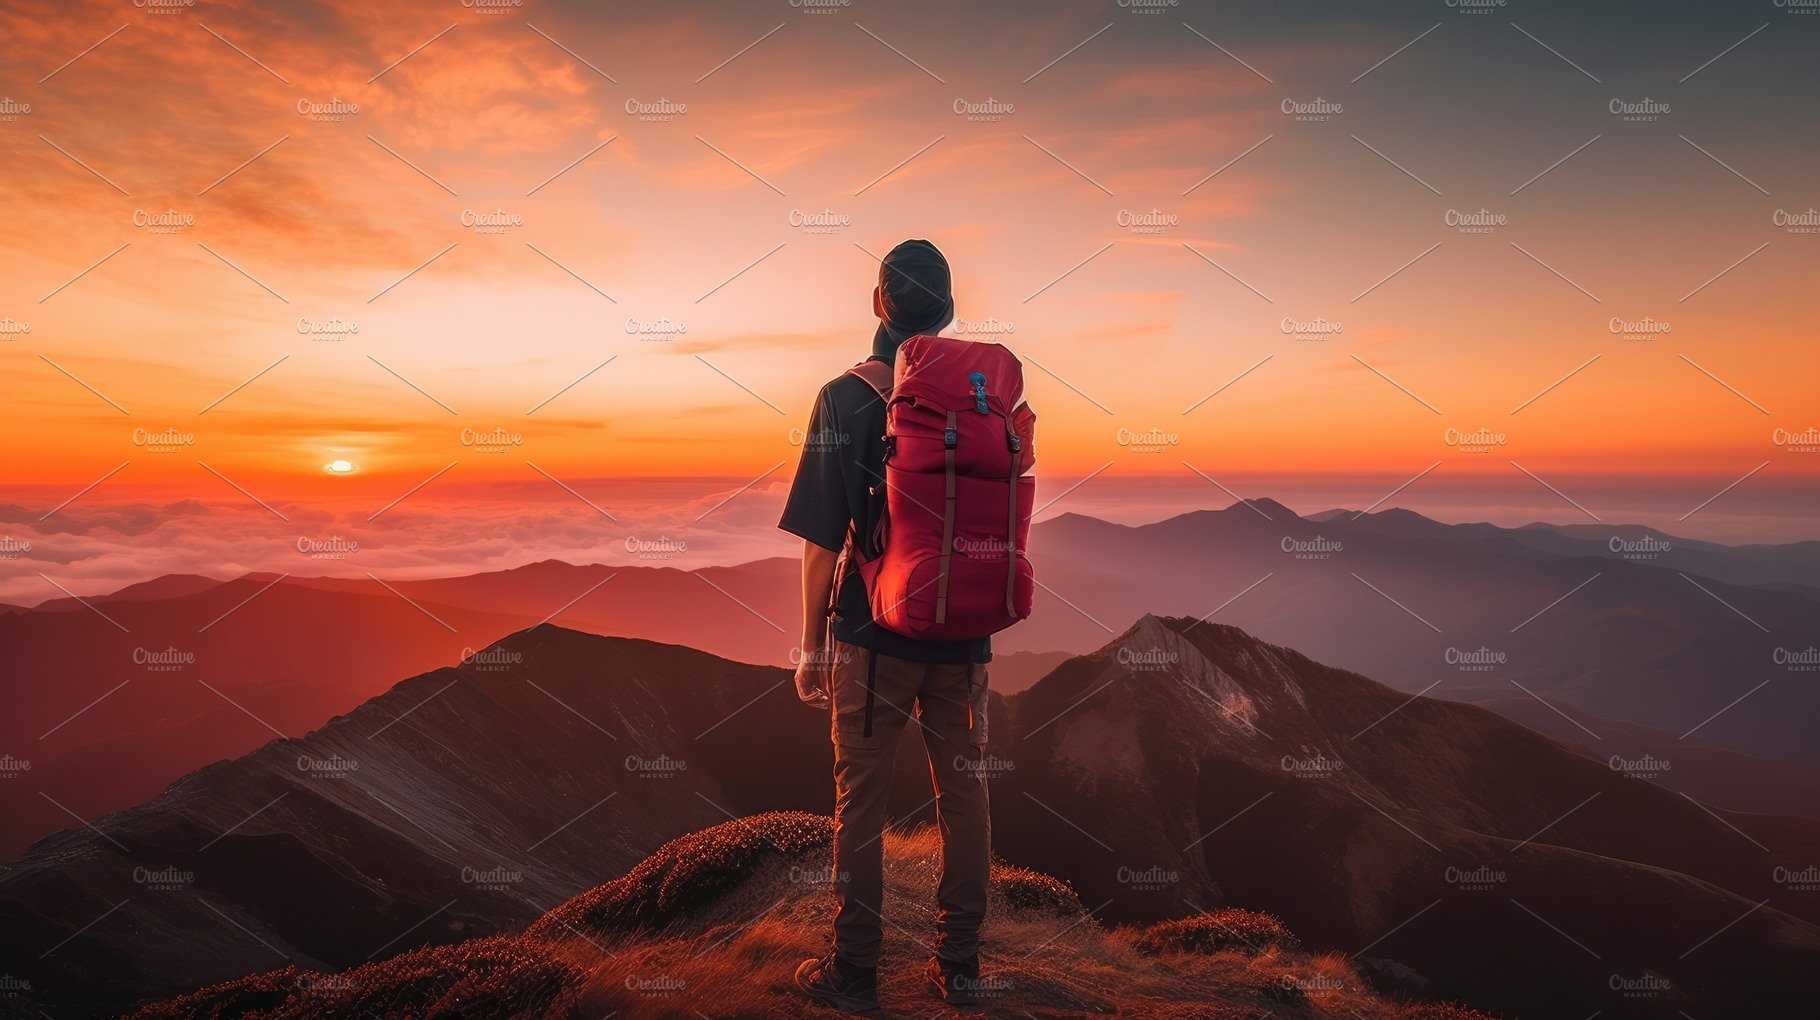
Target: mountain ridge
[1185,749]
[1394,795]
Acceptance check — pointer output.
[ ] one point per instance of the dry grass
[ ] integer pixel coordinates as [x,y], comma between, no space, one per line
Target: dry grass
[1241,931]
[717,921]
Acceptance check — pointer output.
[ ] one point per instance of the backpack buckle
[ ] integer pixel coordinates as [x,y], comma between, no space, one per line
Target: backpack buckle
[950,437]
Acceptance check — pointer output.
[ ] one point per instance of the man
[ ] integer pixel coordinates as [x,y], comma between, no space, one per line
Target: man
[875,681]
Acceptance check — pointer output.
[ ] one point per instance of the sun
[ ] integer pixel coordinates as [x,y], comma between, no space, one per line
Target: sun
[340,467]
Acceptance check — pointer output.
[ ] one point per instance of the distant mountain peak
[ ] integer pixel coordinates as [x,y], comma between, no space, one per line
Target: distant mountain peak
[1265,505]
[552,639]
[1158,667]
[553,563]
[1084,524]
[1396,515]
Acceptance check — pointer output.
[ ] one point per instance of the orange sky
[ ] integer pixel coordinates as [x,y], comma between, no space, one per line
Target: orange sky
[811,119]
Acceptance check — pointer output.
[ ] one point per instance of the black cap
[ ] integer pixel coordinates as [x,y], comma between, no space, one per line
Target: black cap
[915,288]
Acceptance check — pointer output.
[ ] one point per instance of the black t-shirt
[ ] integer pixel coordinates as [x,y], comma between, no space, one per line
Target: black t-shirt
[842,463]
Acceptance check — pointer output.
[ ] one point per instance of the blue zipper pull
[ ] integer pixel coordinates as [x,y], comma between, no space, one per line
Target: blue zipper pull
[978,379]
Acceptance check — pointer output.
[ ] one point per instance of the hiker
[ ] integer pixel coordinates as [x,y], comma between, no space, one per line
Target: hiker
[913,506]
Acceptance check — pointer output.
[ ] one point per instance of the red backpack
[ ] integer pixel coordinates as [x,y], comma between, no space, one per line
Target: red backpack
[959,444]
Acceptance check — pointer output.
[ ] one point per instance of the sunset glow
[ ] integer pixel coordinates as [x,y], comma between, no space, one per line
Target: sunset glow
[545,247]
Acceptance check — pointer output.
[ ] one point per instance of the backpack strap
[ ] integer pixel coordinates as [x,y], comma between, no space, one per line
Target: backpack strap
[843,563]
[881,377]
[949,437]
[1016,450]
[877,374]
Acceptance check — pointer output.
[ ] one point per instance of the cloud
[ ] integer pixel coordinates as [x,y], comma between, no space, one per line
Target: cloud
[94,548]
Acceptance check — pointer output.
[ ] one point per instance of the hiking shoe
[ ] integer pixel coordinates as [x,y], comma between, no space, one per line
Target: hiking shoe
[956,983]
[833,982]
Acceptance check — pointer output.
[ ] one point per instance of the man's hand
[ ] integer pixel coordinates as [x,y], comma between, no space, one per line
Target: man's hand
[815,670]
[812,676]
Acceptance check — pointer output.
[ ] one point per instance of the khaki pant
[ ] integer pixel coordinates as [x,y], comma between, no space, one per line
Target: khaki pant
[949,703]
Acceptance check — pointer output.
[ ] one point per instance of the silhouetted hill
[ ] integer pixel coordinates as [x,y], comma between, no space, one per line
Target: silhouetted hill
[464,801]
[109,705]
[1713,774]
[1467,612]
[165,586]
